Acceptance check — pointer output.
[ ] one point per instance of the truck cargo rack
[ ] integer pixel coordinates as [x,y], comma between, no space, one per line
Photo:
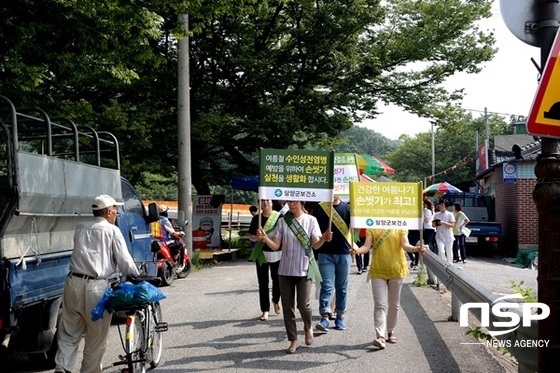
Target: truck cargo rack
[31,130]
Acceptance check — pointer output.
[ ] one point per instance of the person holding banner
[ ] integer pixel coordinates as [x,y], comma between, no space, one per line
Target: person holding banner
[266,259]
[387,270]
[298,233]
[334,261]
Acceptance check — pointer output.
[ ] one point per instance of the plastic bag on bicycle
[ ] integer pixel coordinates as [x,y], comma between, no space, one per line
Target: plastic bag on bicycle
[127,295]
[101,306]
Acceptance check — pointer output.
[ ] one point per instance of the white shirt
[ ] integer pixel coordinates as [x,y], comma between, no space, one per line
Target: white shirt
[272,256]
[443,232]
[100,250]
[428,218]
[294,261]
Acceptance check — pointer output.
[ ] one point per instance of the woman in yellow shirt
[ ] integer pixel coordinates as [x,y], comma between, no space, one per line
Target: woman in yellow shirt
[387,270]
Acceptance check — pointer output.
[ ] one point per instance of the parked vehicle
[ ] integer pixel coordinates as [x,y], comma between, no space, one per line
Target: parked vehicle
[49,174]
[172,260]
[485,234]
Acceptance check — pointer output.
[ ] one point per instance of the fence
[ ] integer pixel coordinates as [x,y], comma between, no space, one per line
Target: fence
[464,289]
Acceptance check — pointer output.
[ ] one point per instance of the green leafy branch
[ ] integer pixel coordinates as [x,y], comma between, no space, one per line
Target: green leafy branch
[529,297]
[526,292]
[421,279]
[482,336]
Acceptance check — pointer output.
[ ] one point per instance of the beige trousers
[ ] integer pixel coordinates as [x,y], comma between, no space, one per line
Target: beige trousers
[386,304]
[79,298]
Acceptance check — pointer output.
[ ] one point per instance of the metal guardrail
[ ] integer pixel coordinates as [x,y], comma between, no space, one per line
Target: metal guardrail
[465,289]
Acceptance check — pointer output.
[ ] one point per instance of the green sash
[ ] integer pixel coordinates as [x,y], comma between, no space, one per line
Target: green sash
[380,240]
[313,270]
[257,255]
[456,228]
[339,223]
[374,248]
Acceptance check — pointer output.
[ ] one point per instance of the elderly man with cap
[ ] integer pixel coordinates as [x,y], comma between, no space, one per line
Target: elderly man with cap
[99,252]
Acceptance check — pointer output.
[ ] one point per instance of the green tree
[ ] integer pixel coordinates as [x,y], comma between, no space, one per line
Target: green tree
[362,140]
[157,187]
[263,73]
[455,150]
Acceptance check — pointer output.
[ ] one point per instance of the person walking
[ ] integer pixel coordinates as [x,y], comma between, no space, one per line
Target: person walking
[428,234]
[99,252]
[461,221]
[297,233]
[413,236]
[334,262]
[428,217]
[267,260]
[387,271]
[443,222]
[253,210]
[362,261]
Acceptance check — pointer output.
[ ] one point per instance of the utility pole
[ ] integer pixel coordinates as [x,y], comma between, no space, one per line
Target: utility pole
[184,133]
[433,150]
[486,123]
[547,199]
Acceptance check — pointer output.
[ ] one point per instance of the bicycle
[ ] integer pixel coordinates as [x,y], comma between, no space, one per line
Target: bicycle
[143,340]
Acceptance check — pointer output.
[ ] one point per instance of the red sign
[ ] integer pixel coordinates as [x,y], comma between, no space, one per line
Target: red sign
[482,158]
[544,118]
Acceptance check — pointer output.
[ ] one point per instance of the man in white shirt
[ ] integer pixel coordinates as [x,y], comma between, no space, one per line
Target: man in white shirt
[444,222]
[99,252]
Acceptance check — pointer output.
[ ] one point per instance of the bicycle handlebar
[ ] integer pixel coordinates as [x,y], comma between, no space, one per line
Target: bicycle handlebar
[156,281]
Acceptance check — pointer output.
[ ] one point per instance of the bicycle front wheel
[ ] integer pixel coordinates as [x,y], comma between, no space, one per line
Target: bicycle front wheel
[156,343]
[135,343]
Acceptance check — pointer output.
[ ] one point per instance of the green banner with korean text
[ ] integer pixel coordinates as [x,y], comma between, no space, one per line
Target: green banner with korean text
[345,171]
[296,175]
[386,205]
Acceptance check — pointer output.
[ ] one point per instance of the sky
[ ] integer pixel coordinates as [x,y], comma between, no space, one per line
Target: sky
[506,85]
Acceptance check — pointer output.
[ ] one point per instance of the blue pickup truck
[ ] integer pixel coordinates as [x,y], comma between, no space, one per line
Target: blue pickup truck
[485,235]
[49,174]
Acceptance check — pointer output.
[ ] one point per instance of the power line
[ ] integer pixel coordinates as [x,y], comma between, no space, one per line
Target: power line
[495,112]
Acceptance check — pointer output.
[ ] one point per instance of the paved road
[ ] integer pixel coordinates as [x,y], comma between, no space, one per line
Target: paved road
[213,326]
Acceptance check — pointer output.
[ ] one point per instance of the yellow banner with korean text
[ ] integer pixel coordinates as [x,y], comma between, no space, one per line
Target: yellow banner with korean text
[386,205]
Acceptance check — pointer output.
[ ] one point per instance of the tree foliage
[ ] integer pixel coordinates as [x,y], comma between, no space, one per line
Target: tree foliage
[455,150]
[263,73]
[362,140]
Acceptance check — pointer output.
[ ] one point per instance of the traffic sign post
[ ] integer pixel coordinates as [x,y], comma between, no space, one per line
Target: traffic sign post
[536,23]
[544,118]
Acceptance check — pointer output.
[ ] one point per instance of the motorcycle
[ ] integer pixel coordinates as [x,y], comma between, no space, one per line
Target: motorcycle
[173,260]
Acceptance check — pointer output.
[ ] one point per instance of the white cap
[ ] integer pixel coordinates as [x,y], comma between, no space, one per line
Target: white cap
[103,201]
[163,208]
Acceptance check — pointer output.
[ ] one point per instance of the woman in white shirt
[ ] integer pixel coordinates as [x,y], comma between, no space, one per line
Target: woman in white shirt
[428,218]
[461,221]
[295,286]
